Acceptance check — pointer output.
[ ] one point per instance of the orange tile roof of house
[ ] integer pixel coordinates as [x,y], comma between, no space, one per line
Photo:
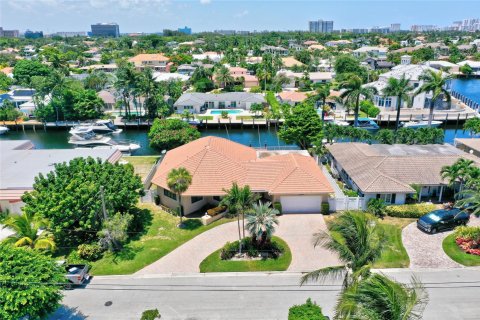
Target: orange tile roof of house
[289,62]
[237,69]
[215,163]
[149,57]
[293,96]
[7,70]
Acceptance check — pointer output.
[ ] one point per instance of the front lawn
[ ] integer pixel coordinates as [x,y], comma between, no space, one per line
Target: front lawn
[213,263]
[457,254]
[394,255]
[161,237]
[141,164]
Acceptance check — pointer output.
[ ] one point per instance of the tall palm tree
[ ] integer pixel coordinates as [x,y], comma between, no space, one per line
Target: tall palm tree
[321,94]
[261,222]
[461,171]
[239,200]
[223,77]
[178,180]
[398,88]
[354,90]
[27,232]
[471,198]
[381,298]
[434,83]
[357,240]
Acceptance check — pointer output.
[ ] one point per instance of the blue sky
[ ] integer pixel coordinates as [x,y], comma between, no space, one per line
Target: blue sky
[206,15]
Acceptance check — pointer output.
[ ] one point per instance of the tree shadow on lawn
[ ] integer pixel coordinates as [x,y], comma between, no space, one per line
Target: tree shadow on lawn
[142,221]
[191,224]
[127,253]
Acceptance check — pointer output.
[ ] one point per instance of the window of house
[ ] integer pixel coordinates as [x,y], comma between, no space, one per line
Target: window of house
[233,104]
[169,194]
[386,197]
[388,102]
[196,199]
[221,105]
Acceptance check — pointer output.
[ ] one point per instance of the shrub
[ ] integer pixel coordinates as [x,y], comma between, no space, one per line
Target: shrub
[224,114]
[350,193]
[325,208]
[369,108]
[376,207]
[469,233]
[89,252]
[307,311]
[74,258]
[229,250]
[249,247]
[217,210]
[409,210]
[150,314]
[278,206]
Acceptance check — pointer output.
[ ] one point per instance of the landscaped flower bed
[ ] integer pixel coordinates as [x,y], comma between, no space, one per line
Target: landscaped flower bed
[468,239]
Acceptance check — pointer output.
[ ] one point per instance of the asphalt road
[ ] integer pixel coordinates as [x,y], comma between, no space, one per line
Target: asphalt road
[453,295]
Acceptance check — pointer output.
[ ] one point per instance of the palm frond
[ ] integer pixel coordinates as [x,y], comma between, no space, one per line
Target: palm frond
[334,273]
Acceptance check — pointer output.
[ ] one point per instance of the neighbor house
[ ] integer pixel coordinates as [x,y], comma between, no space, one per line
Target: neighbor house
[155,61]
[196,102]
[471,146]
[291,62]
[291,97]
[274,50]
[390,172]
[291,178]
[475,65]
[315,77]
[20,163]
[209,55]
[380,52]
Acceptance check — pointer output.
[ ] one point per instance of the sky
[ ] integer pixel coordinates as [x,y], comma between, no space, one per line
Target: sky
[208,15]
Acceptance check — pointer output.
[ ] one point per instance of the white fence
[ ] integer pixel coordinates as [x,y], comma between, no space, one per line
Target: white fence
[347,203]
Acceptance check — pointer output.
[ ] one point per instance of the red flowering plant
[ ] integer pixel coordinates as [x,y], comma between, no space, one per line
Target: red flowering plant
[468,239]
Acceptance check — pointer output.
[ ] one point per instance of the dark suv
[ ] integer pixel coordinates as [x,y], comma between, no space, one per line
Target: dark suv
[440,220]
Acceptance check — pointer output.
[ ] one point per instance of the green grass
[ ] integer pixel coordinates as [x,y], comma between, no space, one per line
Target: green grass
[161,237]
[394,254]
[208,118]
[249,118]
[141,160]
[457,254]
[213,263]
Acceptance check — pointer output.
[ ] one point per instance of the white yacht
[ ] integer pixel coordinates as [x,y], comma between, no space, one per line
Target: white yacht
[331,119]
[3,129]
[421,124]
[83,137]
[100,126]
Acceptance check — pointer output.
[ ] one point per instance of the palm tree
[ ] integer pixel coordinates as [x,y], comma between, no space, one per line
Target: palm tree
[27,232]
[223,77]
[461,171]
[261,222]
[434,83]
[358,242]
[321,94]
[238,200]
[381,298]
[354,90]
[471,198]
[398,88]
[178,180]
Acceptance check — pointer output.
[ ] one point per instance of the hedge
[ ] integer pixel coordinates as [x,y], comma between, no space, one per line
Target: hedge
[307,311]
[409,210]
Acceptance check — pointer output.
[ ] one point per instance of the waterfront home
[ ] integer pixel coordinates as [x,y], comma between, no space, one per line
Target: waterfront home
[380,52]
[471,146]
[291,97]
[274,50]
[186,69]
[378,63]
[20,163]
[412,72]
[197,102]
[291,62]
[474,64]
[291,178]
[315,77]
[167,76]
[209,55]
[444,66]
[390,172]
[241,75]
[18,96]
[156,61]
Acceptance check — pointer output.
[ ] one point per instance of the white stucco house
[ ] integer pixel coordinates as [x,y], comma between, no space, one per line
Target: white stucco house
[196,102]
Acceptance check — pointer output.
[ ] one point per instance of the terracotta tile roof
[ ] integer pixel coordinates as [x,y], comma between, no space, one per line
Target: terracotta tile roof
[290,62]
[393,168]
[292,96]
[216,162]
[149,57]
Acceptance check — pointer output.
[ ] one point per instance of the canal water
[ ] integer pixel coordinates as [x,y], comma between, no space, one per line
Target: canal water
[255,137]
[470,88]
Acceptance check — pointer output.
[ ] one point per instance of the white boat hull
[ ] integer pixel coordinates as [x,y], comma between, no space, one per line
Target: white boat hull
[421,124]
[3,130]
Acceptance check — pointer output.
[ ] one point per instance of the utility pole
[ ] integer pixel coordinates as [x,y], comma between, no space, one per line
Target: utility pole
[102,196]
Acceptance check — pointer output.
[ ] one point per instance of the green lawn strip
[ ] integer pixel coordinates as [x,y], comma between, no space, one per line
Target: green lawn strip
[161,237]
[394,254]
[457,254]
[273,102]
[249,118]
[213,263]
[141,160]
[209,118]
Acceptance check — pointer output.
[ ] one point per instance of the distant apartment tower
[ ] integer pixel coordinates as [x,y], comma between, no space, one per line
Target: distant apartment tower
[33,34]
[320,26]
[185,30]
[423,28]
[69,34]
[105,30]
[395,27]
[9,33]
[383,30]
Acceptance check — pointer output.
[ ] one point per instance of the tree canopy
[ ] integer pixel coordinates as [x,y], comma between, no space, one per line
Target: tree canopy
[301,126]
[24,70]
[28,281]
[69,196]
[166,134]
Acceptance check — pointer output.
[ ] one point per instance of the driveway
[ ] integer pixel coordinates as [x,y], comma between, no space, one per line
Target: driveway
[296,229]
[425,250]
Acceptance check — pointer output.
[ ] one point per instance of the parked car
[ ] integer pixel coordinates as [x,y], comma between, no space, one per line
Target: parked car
[77,274]
[441,220]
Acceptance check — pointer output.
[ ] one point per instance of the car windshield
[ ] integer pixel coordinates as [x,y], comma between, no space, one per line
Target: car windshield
[432,216]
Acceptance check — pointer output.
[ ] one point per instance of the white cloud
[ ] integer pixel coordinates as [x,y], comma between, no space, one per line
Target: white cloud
[241,14]
[205,1]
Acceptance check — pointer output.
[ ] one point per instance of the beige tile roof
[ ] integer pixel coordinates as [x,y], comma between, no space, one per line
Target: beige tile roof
[473,143]
[216,162]
[149,57]
[290,62]
[292,96]
[389,169]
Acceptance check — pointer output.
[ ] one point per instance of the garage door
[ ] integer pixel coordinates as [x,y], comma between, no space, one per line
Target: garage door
[301,204]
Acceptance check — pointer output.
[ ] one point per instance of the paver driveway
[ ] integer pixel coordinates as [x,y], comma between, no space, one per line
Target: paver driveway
[425,250]
[296,229]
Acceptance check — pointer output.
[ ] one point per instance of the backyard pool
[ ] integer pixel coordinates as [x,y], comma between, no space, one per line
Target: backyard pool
[229,111]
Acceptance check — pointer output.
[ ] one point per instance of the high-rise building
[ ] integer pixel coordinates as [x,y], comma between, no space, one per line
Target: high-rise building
[105,30]
[9,33]
[185,30]
[395,27]
[423,28]
[69,34]
[33,34]
[320,26]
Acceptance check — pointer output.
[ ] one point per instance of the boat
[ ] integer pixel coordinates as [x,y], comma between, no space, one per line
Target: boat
[421,124]
[367,124]
[331,119]
[3,129]
[100,126]
[83,137]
